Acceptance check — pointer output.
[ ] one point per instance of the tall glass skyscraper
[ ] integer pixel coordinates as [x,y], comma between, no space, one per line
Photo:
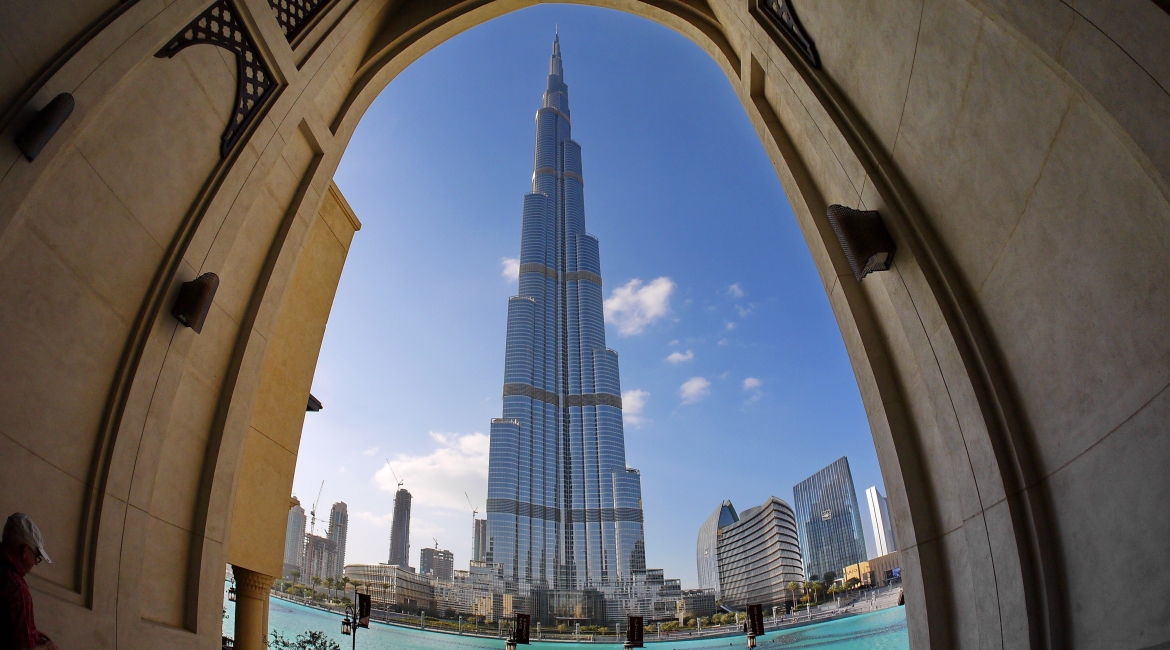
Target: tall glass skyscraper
[563,510]
[828,520]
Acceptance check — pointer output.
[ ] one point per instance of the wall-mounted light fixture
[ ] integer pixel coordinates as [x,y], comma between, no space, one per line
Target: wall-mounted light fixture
[194,301]
[864,238]
[232,591]
[44,125]
[314,404]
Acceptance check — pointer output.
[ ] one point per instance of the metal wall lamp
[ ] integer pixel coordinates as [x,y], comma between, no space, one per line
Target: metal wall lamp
[44,125]
[232,591]
[867,244]
[194,301]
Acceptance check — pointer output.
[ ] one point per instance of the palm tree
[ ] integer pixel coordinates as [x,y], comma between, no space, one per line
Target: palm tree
[810,588]
[316,583]
[345,586]
[792,587]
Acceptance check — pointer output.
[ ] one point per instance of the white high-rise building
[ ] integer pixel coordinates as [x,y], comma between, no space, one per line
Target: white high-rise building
[338,530]
[883,527]
[294,538]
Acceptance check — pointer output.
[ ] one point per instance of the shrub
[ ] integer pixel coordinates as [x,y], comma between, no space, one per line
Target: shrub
[311,640]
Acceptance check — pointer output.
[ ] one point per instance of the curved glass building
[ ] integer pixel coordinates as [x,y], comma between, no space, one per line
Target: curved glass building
[563,510]
[707,547]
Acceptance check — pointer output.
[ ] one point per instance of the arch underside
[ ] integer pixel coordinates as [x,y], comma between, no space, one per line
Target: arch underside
[1012,362]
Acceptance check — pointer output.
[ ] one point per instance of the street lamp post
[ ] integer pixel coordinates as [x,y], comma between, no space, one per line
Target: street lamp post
[349,624]
[355,618]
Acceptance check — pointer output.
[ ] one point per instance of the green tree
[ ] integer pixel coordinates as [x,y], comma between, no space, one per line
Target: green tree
[852,583]
[829,578]
[792,587]
[312,640]
[811,587]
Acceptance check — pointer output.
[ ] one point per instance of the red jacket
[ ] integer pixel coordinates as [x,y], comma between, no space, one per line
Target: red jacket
[18,631]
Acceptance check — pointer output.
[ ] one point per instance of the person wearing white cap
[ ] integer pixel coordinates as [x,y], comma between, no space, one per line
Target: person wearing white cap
[21,549]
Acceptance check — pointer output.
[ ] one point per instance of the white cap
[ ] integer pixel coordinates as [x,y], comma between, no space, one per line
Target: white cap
[22,529]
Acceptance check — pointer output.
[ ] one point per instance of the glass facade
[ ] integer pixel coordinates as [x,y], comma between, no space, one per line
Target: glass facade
[828,520]
[563,510]
[707,547]
[759,555]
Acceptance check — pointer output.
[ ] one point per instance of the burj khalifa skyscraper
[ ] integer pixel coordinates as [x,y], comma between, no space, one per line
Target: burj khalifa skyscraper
[564,511]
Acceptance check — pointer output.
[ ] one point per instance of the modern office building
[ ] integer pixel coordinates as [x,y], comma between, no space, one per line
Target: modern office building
[707,548]
[563,510]
[400,530]
[437,563]
[479,536]
[338,528]
[828,520]
[759,555]
[883,526]
[294,539]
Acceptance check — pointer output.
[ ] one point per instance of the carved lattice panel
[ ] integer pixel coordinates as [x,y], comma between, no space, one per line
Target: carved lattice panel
[294,15]
[220,25]
[781,16]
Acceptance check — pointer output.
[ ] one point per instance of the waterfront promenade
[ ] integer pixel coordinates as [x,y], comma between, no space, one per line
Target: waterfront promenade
[856,627]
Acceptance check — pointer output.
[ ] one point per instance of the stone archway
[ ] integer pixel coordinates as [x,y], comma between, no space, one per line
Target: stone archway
[1012,362]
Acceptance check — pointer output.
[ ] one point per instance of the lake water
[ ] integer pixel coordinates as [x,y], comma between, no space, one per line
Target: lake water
[881,630]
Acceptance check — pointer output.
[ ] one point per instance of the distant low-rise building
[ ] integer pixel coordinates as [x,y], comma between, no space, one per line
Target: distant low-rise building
[393,587]
[695,602]
[878,572]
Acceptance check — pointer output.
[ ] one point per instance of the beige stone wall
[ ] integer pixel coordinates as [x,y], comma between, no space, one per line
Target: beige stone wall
[1013,362]
[261,502]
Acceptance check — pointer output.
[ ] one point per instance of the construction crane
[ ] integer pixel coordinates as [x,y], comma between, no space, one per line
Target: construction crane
[474,509]
[392,473]
[436,543]
[313,512]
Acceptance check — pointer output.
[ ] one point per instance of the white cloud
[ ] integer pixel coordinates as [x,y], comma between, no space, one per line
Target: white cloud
[633,401]
[735,291]
[381,521]
[752,385]
[679,357]
[370,452]
[510,268]
[634,306]
[694,390]
[744,311]
[458,464]
[723,342]
[674,342]
[730,325]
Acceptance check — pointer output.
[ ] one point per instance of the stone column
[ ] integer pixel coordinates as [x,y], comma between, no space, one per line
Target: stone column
[252,590]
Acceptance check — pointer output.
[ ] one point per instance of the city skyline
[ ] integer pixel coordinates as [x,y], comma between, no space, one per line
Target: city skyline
[727,339]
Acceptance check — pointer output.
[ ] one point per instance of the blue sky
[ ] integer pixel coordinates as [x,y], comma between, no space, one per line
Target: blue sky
[743,387]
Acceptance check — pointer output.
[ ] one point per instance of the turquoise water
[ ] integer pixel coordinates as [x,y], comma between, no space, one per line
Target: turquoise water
[881,630]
